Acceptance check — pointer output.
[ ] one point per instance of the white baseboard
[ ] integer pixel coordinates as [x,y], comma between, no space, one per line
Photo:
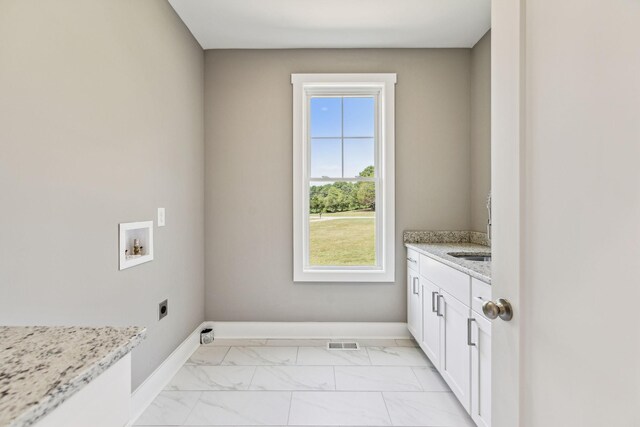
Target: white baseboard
[158,380]
[319,330]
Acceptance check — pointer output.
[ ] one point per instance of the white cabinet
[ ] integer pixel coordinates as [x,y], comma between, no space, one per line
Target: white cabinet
[430,342]
[104,402]
[414,305]
[445,317]
[455,352]
[481,370]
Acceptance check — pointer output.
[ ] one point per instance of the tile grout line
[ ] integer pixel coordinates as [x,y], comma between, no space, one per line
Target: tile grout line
[309,391]
[320,364]
[312,366]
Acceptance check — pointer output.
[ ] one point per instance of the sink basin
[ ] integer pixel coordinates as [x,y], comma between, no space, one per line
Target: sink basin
[471,256]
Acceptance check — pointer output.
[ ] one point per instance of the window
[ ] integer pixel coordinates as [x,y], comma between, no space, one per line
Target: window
[343,177]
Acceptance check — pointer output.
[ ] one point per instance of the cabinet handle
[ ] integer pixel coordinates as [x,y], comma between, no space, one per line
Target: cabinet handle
[417,292]
[412,260]
[438,306]
[469,343]
[433,302]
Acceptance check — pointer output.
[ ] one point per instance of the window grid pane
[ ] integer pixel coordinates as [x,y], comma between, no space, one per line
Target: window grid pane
[327,157]
[326,117]
[358,117]
[319,105]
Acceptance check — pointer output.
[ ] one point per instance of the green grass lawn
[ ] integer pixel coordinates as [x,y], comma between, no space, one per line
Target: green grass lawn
[347,213]
[342,242]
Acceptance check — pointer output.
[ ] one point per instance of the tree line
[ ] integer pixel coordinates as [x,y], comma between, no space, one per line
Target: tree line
[344,196]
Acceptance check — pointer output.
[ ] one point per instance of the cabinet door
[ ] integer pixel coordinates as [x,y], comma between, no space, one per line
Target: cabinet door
[455,353]
[481,371]
[430,343]
[414,305]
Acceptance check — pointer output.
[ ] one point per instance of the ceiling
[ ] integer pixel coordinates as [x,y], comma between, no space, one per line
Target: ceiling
[279,24]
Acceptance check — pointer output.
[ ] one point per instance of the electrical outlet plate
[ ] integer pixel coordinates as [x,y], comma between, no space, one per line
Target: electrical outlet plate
[161,218]
[163,309]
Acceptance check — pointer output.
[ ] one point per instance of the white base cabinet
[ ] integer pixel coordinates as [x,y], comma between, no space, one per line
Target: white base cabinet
[452,331]
[104,402]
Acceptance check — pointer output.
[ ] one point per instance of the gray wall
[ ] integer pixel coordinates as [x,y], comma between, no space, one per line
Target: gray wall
[101,122]
[480,132]
[248,188]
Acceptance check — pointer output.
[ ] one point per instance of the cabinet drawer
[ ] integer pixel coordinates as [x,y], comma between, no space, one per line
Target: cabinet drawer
[480,293]
[413,258]
[451,280]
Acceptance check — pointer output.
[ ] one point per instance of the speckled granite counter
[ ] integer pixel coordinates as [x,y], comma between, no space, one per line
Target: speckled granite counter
[41,367]
[445,236]
[440,252]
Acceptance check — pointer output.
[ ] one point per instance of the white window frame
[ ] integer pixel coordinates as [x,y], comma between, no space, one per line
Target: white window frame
[383,87]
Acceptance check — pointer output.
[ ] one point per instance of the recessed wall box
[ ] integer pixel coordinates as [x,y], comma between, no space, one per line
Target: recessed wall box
[136,243]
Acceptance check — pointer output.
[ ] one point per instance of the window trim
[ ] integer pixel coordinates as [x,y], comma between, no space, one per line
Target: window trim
[304,86]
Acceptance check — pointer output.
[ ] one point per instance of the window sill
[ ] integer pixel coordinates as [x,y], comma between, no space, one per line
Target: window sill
[345,276]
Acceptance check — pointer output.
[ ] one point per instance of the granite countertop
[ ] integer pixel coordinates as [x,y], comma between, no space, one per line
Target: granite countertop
[41,366]
[439,251]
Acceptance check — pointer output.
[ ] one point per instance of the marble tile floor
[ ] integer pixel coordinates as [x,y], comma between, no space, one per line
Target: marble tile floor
[301,383]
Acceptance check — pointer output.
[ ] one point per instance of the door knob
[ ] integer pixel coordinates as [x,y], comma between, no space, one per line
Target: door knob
[502,308]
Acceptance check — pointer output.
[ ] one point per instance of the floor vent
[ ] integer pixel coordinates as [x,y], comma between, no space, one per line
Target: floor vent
[343,346]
